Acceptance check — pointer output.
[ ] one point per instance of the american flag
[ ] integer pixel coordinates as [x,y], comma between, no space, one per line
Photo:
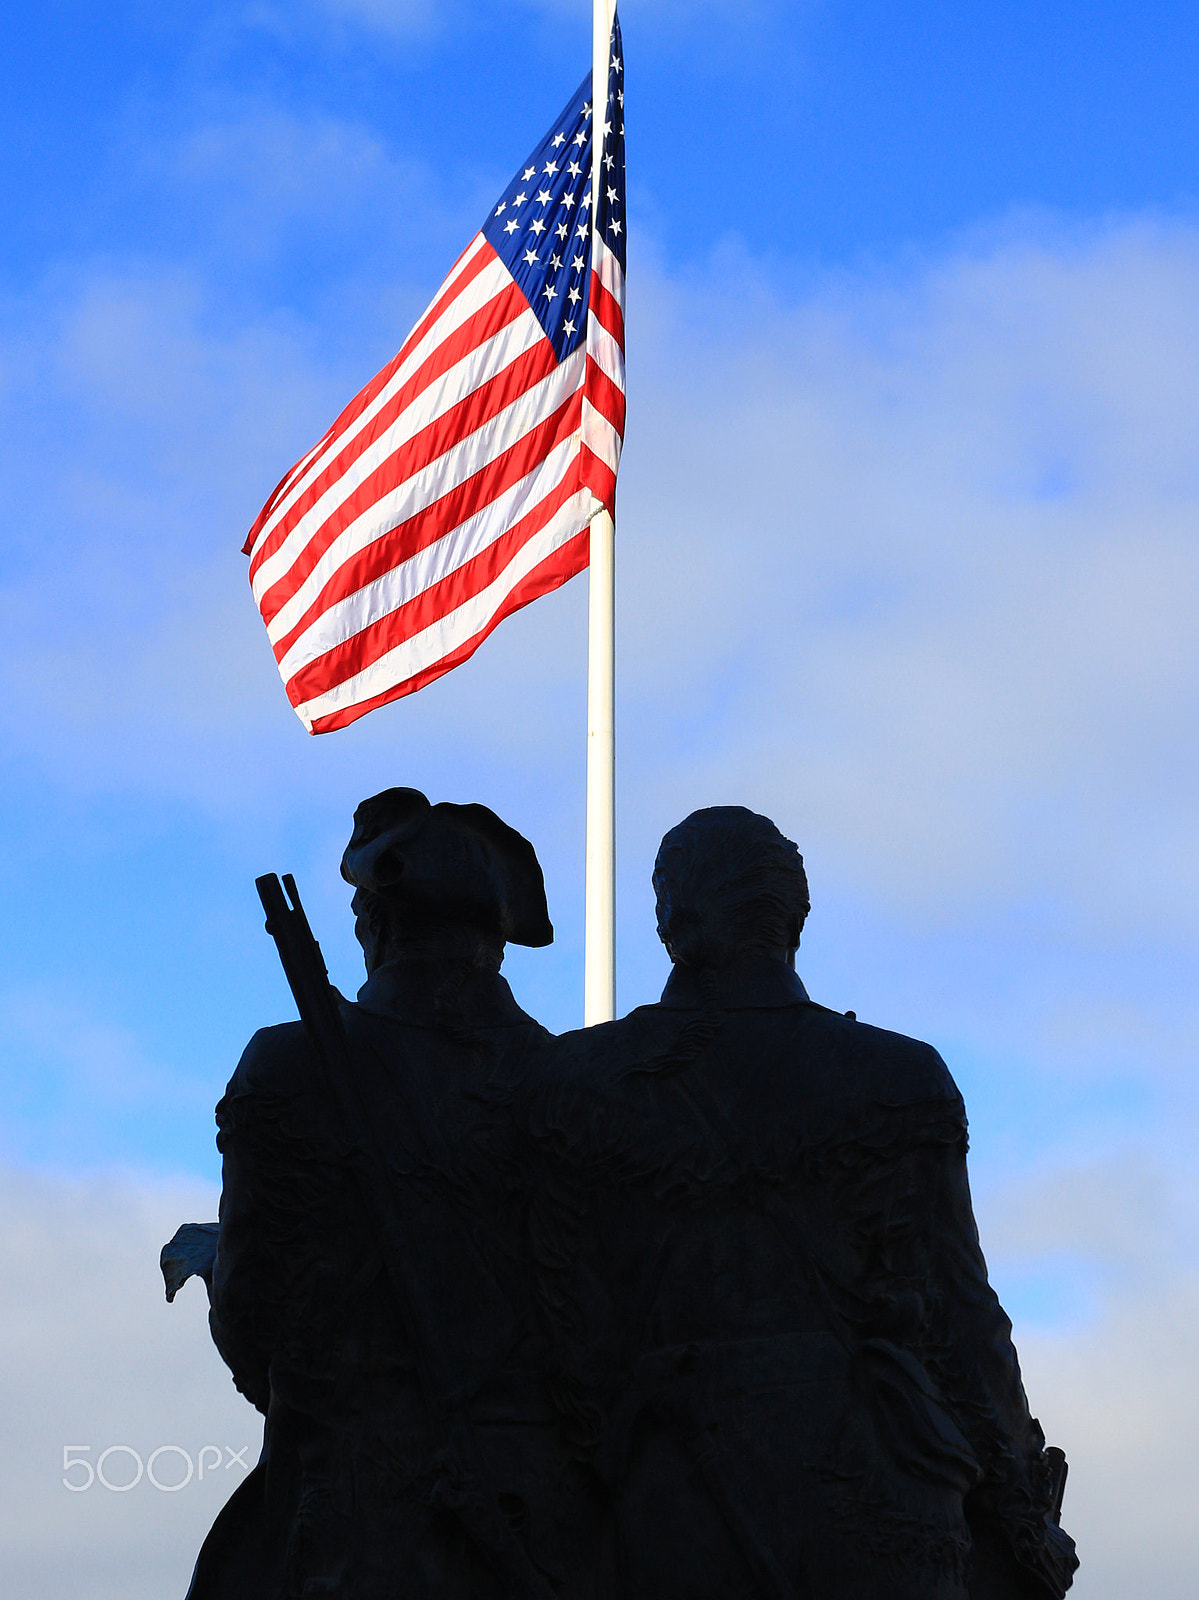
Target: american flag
[459,484]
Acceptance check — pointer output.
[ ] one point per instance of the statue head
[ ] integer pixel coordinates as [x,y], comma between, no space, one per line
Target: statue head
[441,881]
[728,885]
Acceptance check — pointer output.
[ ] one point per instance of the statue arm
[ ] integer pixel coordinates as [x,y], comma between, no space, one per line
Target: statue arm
[268,1148]
[246,1294]
[976,1364]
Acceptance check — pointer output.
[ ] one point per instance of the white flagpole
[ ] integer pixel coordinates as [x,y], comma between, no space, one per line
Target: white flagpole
[599,953]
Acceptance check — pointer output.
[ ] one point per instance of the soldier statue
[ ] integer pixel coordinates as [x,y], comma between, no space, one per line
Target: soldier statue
[370,1288]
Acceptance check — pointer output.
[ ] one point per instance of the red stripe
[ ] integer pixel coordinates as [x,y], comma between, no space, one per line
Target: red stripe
[555,570]
[598,476]
[354,655]
[491,319]
[607,398]
[451,289]
[407,539]
[453,427]
[606,310]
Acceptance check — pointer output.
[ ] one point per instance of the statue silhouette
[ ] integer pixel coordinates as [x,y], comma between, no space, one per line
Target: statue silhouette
[689,1305]
[769,1314]
[370,1287]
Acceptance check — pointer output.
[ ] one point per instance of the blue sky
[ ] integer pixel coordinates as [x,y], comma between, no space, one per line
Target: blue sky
[907,560]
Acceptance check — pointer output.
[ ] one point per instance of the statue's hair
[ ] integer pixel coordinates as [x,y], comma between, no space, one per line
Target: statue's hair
[728,884]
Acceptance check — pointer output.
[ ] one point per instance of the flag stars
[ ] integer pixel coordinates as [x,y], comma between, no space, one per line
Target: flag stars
[568,326]
[553,211]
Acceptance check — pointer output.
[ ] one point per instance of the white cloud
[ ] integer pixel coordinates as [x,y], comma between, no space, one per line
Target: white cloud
[1131,1211]
[1122,1399]
[931,538]
[1114,1381]
[93,1356]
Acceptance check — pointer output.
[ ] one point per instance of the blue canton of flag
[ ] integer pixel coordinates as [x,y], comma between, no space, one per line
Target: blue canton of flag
[541,228]
[611,215]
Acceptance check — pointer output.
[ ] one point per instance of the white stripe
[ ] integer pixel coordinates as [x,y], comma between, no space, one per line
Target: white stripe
[448,633]
[454,549]
[460,461]
[600,436]
[609,271]
[491,281]
[606,351]
[477,368]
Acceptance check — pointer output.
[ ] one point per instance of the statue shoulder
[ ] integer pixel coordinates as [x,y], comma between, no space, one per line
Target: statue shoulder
[608,1050]
[278,1060]
[808,1077]
[912,1067]
[278,1067]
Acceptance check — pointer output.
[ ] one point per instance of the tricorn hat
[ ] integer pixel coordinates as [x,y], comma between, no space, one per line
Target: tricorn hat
[456,863]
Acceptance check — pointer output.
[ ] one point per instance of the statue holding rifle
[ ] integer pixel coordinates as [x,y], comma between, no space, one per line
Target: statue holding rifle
[369,1288]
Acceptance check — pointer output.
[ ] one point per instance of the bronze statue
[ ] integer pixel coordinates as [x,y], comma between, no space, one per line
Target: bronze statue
[689,1305]
[370,1284]
[766,1296]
